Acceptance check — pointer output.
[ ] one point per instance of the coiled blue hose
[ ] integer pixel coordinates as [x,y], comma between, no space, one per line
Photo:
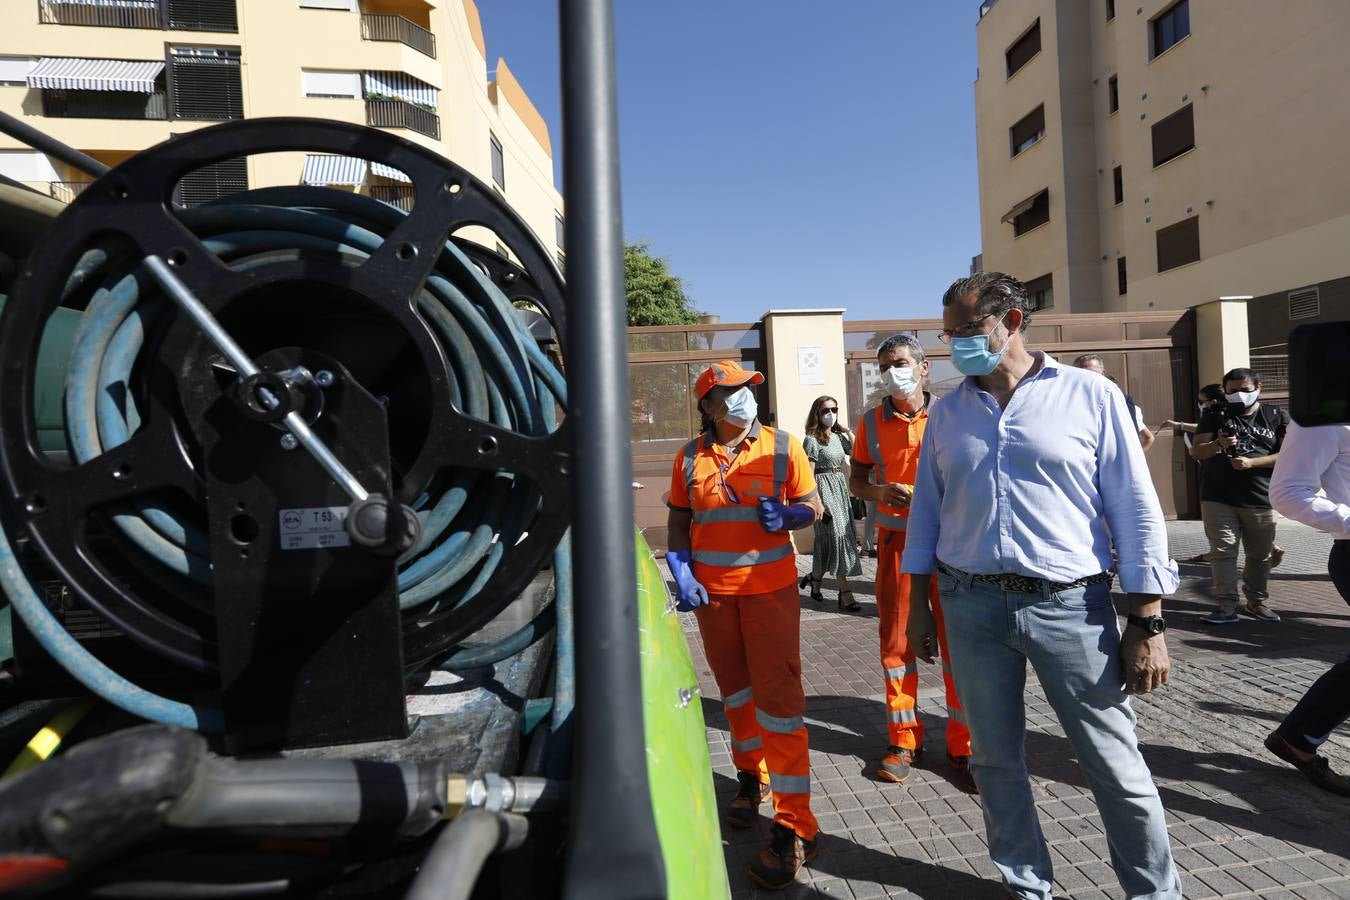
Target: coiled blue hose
[497,374]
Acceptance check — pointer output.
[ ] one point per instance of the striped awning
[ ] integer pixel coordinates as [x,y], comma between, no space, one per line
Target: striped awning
[57,73]
[389,172]
[341,170]
[400,85]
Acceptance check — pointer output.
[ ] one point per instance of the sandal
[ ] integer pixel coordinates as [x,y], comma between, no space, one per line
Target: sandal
[816,595]
[849,605]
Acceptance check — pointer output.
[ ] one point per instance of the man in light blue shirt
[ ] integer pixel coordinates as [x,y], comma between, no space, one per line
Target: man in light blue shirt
[1029,470]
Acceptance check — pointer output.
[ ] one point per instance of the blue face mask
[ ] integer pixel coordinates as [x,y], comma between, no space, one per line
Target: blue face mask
[972,356]
[741,408]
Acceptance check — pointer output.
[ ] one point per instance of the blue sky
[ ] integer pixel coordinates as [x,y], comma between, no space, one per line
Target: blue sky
[781,153]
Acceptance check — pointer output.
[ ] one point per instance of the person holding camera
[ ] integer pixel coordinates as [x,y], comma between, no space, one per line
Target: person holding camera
[1238,443]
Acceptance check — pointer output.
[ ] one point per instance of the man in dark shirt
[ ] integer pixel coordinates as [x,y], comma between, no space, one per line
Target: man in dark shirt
[1238,442]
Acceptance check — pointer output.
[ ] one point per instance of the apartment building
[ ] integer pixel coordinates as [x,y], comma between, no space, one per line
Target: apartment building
[112,77]
[1141,154]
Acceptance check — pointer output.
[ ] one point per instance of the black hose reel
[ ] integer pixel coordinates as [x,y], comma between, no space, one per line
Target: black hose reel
[311,447]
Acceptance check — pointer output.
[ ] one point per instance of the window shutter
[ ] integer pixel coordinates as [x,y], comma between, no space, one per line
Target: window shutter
[212,182]
[1173,136]
[203,15]
[1305,304]
[206,84]
[1027,46]
[1179,244]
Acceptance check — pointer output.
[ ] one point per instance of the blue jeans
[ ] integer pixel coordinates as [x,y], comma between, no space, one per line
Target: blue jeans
[1072,639]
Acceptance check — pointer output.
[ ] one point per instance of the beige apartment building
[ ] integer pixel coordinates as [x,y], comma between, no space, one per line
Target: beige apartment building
[111,77]
[1142,154]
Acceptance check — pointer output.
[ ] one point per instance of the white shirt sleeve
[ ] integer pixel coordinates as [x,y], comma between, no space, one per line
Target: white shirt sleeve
[1305,457]
[1139,418]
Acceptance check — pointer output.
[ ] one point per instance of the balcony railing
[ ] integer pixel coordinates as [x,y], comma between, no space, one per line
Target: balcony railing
[402,114]
[399,195]
[390,27]
[103,105]
[54,12]
[66,191]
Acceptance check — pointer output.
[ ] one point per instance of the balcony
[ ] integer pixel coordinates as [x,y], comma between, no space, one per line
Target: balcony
[66,191]
[62,104]
[393,113]
[103,15]
[390,27]
[396,195]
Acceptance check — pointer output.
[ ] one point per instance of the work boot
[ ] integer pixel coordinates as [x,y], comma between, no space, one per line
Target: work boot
[1316,769]
[964,780]
[898,763]
[744,809]
[777,865]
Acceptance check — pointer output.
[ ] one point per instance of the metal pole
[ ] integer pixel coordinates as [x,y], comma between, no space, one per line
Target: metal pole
[22,131]
[614,850]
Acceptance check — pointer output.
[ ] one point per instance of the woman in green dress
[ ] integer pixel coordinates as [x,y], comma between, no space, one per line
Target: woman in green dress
[828,444]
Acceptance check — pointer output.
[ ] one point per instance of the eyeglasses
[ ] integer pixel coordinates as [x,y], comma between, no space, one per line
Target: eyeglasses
[970,329]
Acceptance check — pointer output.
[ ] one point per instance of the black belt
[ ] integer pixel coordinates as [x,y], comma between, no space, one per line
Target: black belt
[820,469]
[1025,584]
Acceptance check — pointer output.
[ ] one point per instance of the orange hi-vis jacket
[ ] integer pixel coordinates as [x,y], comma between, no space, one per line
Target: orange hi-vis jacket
[890,440]
[731,551]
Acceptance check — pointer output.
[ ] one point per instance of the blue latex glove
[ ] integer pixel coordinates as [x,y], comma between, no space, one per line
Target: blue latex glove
[775,515]
[692,594]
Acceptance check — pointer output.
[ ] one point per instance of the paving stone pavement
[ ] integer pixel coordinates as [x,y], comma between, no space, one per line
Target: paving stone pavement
[1242,823]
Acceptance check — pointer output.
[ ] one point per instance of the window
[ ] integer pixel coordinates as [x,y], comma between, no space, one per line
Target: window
[498,162]
[1026,47]
[1168,29]
[1030,213]
[1042,292]
[1173,136]
[1110,10]
[203,15]
[27,165]
[229,176]
[14,69]
[559,231]
[204,83]
[1118,182]
[1305,304]
[332,84]
[1122,283]
[1179,244]
[1112,95]
[1028,131]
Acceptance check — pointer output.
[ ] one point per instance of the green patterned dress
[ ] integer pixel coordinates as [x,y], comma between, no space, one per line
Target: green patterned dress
[836,549]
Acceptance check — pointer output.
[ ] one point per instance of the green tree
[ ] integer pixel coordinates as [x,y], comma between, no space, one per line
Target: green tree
[655,295]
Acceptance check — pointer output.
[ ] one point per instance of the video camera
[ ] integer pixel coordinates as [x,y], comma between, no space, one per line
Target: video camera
[1319,374]
[1231,424]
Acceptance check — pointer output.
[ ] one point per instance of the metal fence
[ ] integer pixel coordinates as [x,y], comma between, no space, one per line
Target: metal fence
[66,191]
[391,27]
[144,15]
[65,104]
[402,114]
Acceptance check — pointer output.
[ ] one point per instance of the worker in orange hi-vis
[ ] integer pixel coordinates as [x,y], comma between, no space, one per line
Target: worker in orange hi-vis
[888,439]
[736,492]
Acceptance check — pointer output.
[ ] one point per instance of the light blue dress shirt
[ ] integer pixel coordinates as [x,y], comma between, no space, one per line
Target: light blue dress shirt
[1038,488]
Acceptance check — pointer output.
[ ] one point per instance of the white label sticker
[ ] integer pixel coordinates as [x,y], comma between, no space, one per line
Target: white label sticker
[314,527]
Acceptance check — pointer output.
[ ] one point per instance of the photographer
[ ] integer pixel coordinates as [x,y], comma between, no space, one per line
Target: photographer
[1238,444]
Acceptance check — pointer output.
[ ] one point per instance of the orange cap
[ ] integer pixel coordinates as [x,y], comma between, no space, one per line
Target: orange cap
[727,372]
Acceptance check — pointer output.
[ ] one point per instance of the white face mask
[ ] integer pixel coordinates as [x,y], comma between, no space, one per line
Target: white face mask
[741,409]
[1246,398]
[899,382]
[828,419]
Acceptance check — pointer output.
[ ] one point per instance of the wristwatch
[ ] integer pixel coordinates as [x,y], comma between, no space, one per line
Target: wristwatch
[1151,624]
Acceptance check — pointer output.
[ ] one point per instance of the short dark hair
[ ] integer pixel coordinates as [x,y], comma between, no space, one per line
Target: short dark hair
[994,292]
[1089,357]
[1243,375]
[903,339]
[1212,392]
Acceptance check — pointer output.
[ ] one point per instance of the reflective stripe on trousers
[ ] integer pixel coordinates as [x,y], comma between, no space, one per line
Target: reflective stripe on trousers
[754,639]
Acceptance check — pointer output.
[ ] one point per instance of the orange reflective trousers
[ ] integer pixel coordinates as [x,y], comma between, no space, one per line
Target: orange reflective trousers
[753,642]
[898,658]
